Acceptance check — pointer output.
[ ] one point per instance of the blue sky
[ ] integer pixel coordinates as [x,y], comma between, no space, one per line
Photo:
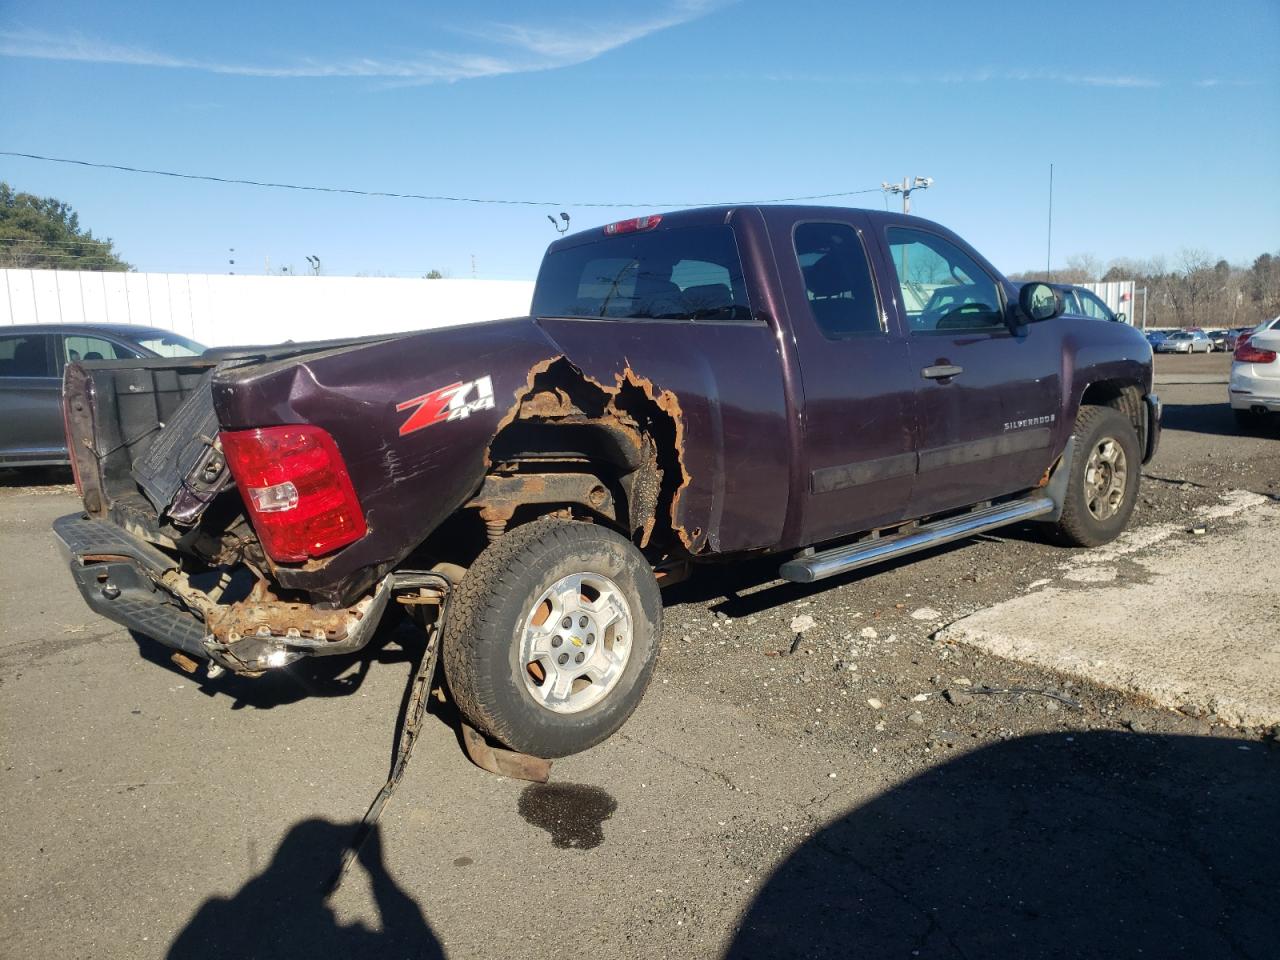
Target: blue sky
[1162,120]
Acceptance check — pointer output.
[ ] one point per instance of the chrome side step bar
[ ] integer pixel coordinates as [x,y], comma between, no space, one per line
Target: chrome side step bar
[828,563]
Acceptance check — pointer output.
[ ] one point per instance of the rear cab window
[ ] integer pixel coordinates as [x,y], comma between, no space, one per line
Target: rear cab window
[691,274]
[26,355]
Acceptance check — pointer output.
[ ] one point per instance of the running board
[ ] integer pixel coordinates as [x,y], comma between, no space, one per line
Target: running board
[828,563]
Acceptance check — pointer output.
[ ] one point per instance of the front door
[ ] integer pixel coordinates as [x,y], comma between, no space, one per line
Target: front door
[987,397]
[858,391]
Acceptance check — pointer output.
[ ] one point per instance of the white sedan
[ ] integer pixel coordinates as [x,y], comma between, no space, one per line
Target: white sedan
[1254,388]
[1185,342]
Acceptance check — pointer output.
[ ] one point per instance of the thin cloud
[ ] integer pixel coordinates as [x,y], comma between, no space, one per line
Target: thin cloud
[1217,82]
[968,77]
[1053,76]
[526,49]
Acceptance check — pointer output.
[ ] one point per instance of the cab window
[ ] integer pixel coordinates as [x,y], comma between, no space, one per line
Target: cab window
[943,289]
[684,273]
[837,280]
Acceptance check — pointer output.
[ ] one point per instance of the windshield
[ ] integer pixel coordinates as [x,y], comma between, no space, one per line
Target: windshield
[1181,336]
[170,345]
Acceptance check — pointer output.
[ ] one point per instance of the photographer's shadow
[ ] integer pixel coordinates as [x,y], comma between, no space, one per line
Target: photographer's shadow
[284,913]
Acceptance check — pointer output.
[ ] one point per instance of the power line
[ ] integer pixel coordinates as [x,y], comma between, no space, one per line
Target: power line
[413,196]
[66,243]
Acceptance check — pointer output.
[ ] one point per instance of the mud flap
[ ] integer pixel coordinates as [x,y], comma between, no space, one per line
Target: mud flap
[505,763]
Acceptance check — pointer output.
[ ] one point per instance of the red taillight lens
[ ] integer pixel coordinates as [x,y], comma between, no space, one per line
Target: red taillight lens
[633,225]
[1247,353]
[297,489]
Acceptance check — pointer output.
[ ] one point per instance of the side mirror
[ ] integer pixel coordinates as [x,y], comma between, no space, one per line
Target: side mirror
[1039,301]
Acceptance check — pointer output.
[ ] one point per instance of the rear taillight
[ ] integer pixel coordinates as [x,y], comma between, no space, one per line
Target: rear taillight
[297,489]
[1247,353]
[634,225]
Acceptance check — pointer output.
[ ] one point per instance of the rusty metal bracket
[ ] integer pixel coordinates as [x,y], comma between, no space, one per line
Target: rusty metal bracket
[505,763]
[501,494]
[415,710]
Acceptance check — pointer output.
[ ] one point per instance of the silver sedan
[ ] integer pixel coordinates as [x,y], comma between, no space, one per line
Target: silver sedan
[1185,342]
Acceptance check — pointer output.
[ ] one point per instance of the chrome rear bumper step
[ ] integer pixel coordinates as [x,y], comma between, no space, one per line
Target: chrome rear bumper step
[828,563]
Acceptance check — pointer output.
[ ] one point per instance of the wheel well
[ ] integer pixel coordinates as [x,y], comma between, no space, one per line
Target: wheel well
[568,436]
[1122,395]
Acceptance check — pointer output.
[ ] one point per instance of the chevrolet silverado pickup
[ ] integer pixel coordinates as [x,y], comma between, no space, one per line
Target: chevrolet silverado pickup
[830,387]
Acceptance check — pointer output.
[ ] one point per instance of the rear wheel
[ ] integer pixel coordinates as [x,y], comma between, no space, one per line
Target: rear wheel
[1247,420]
[552,637]
[1103,485]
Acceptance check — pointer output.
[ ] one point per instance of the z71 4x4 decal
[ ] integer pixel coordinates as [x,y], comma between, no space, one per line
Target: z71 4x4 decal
[454,402]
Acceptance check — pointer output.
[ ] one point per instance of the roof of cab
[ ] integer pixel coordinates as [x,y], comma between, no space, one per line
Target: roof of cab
[695,216]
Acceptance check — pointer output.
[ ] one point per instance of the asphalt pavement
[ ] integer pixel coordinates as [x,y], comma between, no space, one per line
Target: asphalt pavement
[881,791]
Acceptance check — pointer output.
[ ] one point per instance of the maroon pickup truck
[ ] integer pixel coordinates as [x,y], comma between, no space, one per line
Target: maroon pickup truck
[832,387]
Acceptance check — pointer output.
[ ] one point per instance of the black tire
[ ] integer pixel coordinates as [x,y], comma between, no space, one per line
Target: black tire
[482,640]
[1246,420]
[1081,525]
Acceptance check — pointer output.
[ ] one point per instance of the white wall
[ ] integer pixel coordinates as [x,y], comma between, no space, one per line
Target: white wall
[223,309]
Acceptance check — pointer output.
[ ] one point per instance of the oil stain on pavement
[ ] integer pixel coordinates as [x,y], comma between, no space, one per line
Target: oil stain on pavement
[572,813]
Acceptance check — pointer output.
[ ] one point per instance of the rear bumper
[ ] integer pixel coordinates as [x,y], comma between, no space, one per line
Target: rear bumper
[1249,392]
[130,581]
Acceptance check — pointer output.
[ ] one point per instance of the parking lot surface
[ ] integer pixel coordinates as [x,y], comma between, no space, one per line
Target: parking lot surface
[875,792]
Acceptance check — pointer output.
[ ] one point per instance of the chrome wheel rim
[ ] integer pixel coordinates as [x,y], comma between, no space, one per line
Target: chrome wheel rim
[575,642]
[1105,478]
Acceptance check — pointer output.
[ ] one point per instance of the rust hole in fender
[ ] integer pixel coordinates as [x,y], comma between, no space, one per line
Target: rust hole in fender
[630,424]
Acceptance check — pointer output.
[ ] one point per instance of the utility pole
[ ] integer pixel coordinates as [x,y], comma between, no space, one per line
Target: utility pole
[473,266]
[906,187]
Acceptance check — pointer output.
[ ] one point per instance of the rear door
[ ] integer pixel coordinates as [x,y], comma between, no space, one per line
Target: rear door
[987,398]
[855,367]
[30,400]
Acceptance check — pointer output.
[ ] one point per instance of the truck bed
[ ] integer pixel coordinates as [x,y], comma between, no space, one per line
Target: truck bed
[137,429]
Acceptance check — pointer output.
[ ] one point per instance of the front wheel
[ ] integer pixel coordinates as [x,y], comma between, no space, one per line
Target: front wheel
[1103,485]
[552,637]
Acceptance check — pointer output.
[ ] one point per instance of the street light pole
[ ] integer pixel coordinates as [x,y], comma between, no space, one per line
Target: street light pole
[906,187]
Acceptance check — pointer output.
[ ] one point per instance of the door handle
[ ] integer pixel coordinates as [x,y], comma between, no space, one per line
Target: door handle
[942,371]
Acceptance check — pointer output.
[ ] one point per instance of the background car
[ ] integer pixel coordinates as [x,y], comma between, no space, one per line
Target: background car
[1264,326]
[1156,336]
[1218,338]
[1233,336]
[31,361]
[1185,341]
[1254,387]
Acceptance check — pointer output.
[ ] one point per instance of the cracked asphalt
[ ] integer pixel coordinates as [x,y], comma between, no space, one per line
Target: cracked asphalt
[872,793]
